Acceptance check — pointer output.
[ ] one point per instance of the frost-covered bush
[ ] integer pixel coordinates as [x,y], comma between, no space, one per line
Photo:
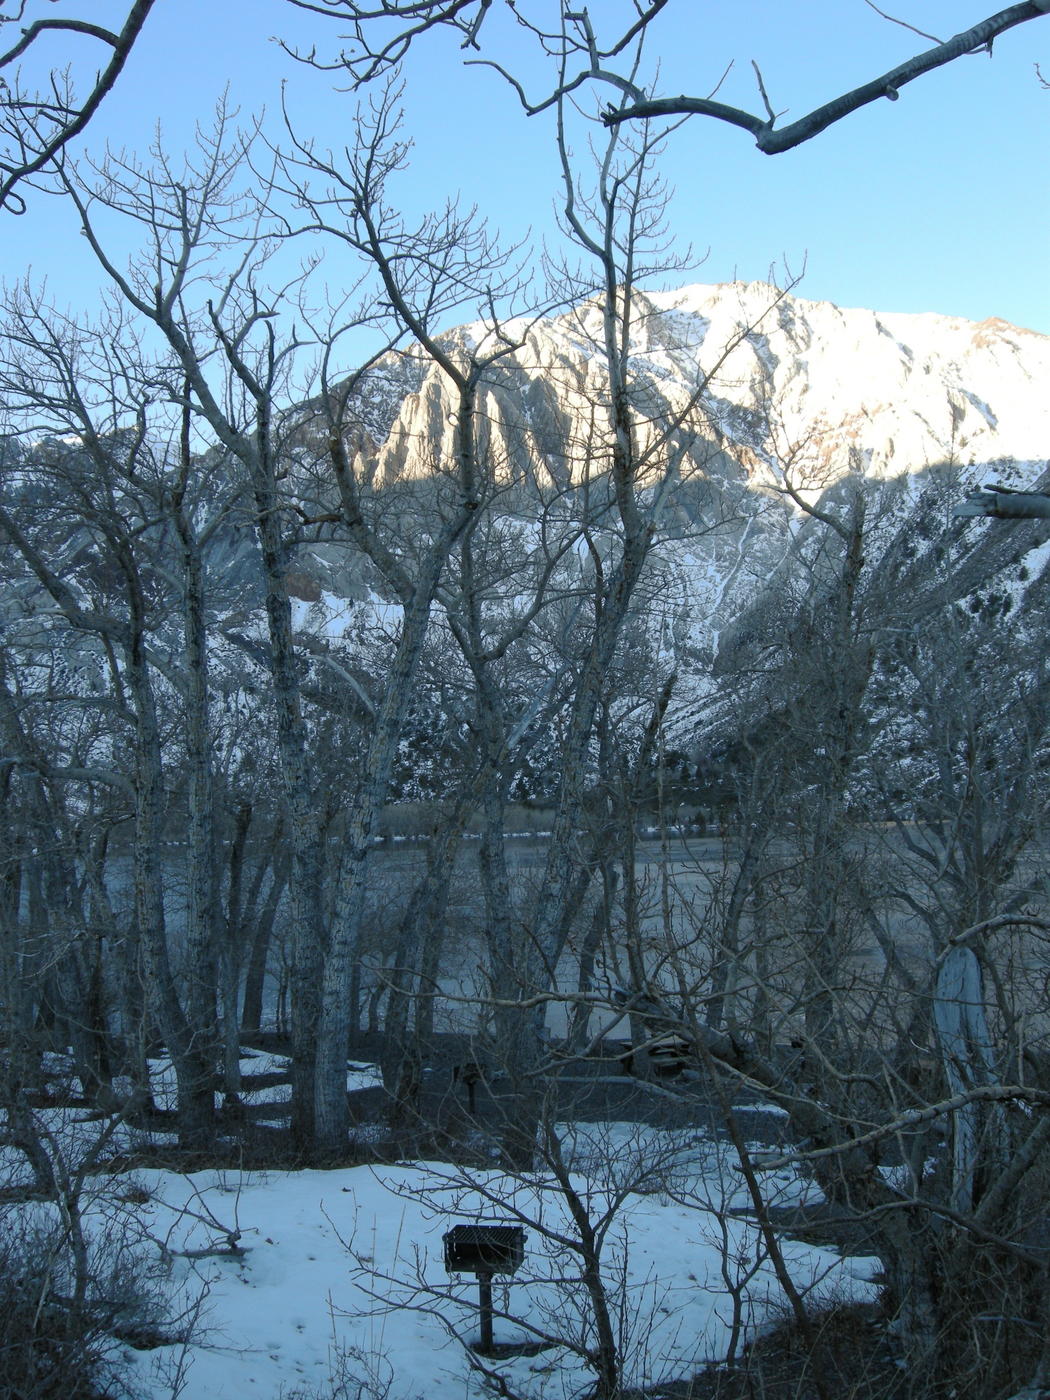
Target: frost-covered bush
[64,1318]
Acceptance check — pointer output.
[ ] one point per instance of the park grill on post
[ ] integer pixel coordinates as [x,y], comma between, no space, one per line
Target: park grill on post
[485,1251]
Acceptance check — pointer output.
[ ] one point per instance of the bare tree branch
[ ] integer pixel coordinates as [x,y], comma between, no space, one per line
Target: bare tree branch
[418,16]
[1004,503]
[903,23]
[771,141]
[912,1118]
[27,151]
[367,58]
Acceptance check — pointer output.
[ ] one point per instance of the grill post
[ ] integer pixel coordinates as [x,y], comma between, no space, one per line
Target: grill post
[485,1309]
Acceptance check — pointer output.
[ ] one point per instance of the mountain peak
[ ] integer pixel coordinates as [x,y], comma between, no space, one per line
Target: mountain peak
[823,385]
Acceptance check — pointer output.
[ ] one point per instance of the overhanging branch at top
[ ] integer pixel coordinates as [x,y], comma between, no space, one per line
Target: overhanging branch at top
[773,140]
[1004,503]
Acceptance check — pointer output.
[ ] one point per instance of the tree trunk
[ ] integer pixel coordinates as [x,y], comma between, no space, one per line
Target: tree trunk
[255,974]
[202,910]
[337,1014]
[301,821]
[186,1042]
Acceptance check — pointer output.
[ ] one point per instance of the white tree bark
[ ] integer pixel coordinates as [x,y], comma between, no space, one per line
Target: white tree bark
[968,1056]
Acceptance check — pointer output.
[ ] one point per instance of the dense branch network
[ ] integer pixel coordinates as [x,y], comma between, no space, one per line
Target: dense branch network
[383,31]
[37,123]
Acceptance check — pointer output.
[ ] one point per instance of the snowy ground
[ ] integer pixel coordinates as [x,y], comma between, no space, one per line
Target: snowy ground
[257,1065]
[340,1274]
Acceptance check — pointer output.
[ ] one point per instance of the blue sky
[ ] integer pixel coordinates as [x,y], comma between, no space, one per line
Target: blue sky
[938,202]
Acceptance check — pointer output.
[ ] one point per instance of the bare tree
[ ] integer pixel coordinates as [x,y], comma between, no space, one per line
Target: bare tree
[125,570]
[921,942]
[421,272]
[225,367]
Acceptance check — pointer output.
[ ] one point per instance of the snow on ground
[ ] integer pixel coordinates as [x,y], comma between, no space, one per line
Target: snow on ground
[255,1065]
[74,1132]
[344,1268]
[350,1262]
[299,1279]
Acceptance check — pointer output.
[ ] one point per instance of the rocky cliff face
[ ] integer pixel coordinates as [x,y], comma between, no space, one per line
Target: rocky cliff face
[891,394]
[785,393]
[772,424]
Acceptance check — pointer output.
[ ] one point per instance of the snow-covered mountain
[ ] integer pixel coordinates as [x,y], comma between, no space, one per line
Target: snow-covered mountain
[753,405]
[773,391]
[892,393]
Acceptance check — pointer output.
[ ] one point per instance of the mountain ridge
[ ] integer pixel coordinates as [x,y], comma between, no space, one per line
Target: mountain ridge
[905,390]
